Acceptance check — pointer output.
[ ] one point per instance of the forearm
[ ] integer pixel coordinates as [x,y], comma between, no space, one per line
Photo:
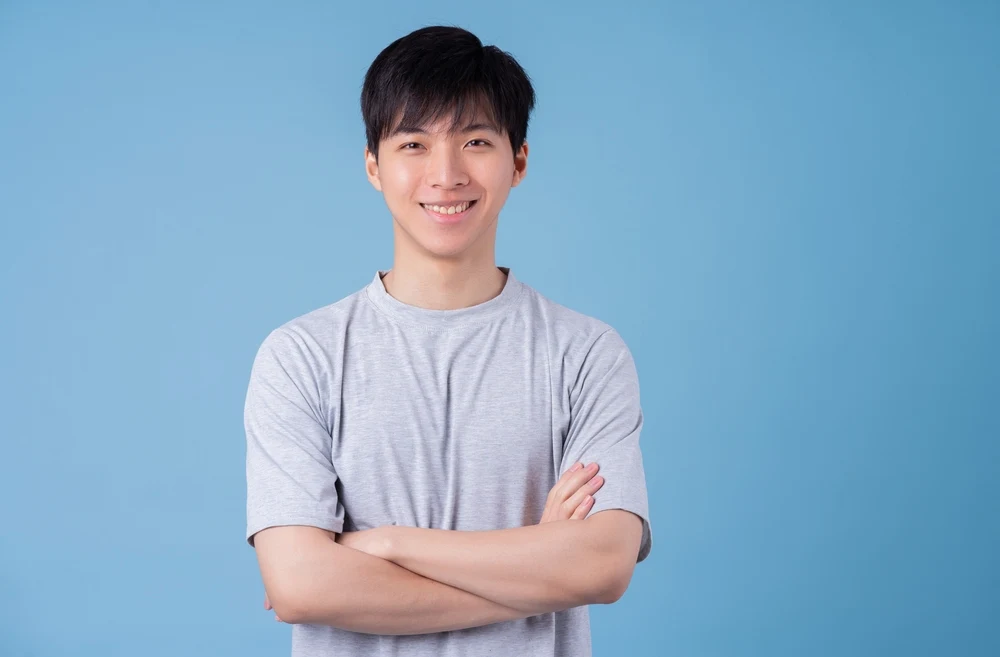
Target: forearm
[553,565]
[351,590]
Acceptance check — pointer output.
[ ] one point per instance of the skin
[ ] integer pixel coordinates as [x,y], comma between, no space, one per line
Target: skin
[570,499]
[443,267]
[440,266]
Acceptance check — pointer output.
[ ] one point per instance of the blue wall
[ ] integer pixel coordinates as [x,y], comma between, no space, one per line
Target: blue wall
[789,211]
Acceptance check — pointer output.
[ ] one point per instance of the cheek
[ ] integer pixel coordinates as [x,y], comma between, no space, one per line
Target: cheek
[399,178]
[489,172]
[498,180]
[408,178]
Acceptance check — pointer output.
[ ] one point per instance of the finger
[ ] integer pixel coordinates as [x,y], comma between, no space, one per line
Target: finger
[562,491]
[576,467]
[569,482]
[577,498]
[584,508]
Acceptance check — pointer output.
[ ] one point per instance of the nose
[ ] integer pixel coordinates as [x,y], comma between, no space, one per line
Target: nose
[446,168]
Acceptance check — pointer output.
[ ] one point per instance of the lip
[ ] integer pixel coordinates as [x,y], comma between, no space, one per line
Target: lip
[449,218]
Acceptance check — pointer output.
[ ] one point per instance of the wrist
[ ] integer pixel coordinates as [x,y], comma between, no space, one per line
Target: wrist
[388,537]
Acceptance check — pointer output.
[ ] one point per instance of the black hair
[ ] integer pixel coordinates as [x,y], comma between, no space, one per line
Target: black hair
[418,78]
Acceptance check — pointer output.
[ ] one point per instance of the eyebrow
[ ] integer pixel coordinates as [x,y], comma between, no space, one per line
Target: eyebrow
[417,130]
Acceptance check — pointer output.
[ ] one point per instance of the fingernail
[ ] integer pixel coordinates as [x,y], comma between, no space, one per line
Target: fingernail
[576,467]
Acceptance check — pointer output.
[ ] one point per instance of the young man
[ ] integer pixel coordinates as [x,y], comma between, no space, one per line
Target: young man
[410,448]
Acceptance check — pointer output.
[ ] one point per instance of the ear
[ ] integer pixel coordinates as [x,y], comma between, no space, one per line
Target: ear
[371,169]
[520,165]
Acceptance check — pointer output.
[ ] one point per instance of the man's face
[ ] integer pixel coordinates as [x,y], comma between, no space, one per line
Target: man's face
[423,166]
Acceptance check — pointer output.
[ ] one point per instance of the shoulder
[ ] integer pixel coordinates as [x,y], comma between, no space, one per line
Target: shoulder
[317,334]
[573,331]
[582,348]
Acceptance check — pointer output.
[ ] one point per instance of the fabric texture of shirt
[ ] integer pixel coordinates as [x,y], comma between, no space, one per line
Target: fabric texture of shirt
[370,412]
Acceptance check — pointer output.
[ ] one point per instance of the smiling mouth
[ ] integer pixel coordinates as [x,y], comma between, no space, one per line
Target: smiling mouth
[449,213]
[457,208]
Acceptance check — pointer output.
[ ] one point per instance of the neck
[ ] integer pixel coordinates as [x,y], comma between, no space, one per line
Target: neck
[444,285]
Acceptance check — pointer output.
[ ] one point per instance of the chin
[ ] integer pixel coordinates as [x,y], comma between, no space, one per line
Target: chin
[444,242]
[446,248]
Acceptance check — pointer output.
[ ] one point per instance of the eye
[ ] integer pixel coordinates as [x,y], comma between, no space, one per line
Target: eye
[483,141]
[406,146]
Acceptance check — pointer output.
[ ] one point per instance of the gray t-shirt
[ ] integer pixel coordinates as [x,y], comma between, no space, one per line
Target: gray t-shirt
[370,412]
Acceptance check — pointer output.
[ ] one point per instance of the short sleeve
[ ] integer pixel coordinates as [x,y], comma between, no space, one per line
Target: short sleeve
[605,423]
[290,475]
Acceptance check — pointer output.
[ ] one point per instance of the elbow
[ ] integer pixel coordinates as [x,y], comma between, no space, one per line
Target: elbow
[293,615]
[610,576]
[288,604]
[618,534]
[306,604]
[298,598]
[613,585]
[291,560]
[604,588]
[306,601]
[613,591]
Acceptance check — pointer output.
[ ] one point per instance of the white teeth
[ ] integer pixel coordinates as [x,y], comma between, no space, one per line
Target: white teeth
[462,207]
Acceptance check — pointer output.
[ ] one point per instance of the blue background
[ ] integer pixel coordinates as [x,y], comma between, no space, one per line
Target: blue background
[789,211]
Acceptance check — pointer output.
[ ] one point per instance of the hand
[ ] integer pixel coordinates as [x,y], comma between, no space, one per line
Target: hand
[572,496]
[570,499]
[373,541]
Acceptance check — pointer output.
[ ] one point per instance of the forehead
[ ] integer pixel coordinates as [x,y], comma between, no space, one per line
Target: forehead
[447,123]
[444,127]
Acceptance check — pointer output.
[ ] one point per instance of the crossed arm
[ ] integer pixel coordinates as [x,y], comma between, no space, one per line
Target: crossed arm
[406,580]
[536,569]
